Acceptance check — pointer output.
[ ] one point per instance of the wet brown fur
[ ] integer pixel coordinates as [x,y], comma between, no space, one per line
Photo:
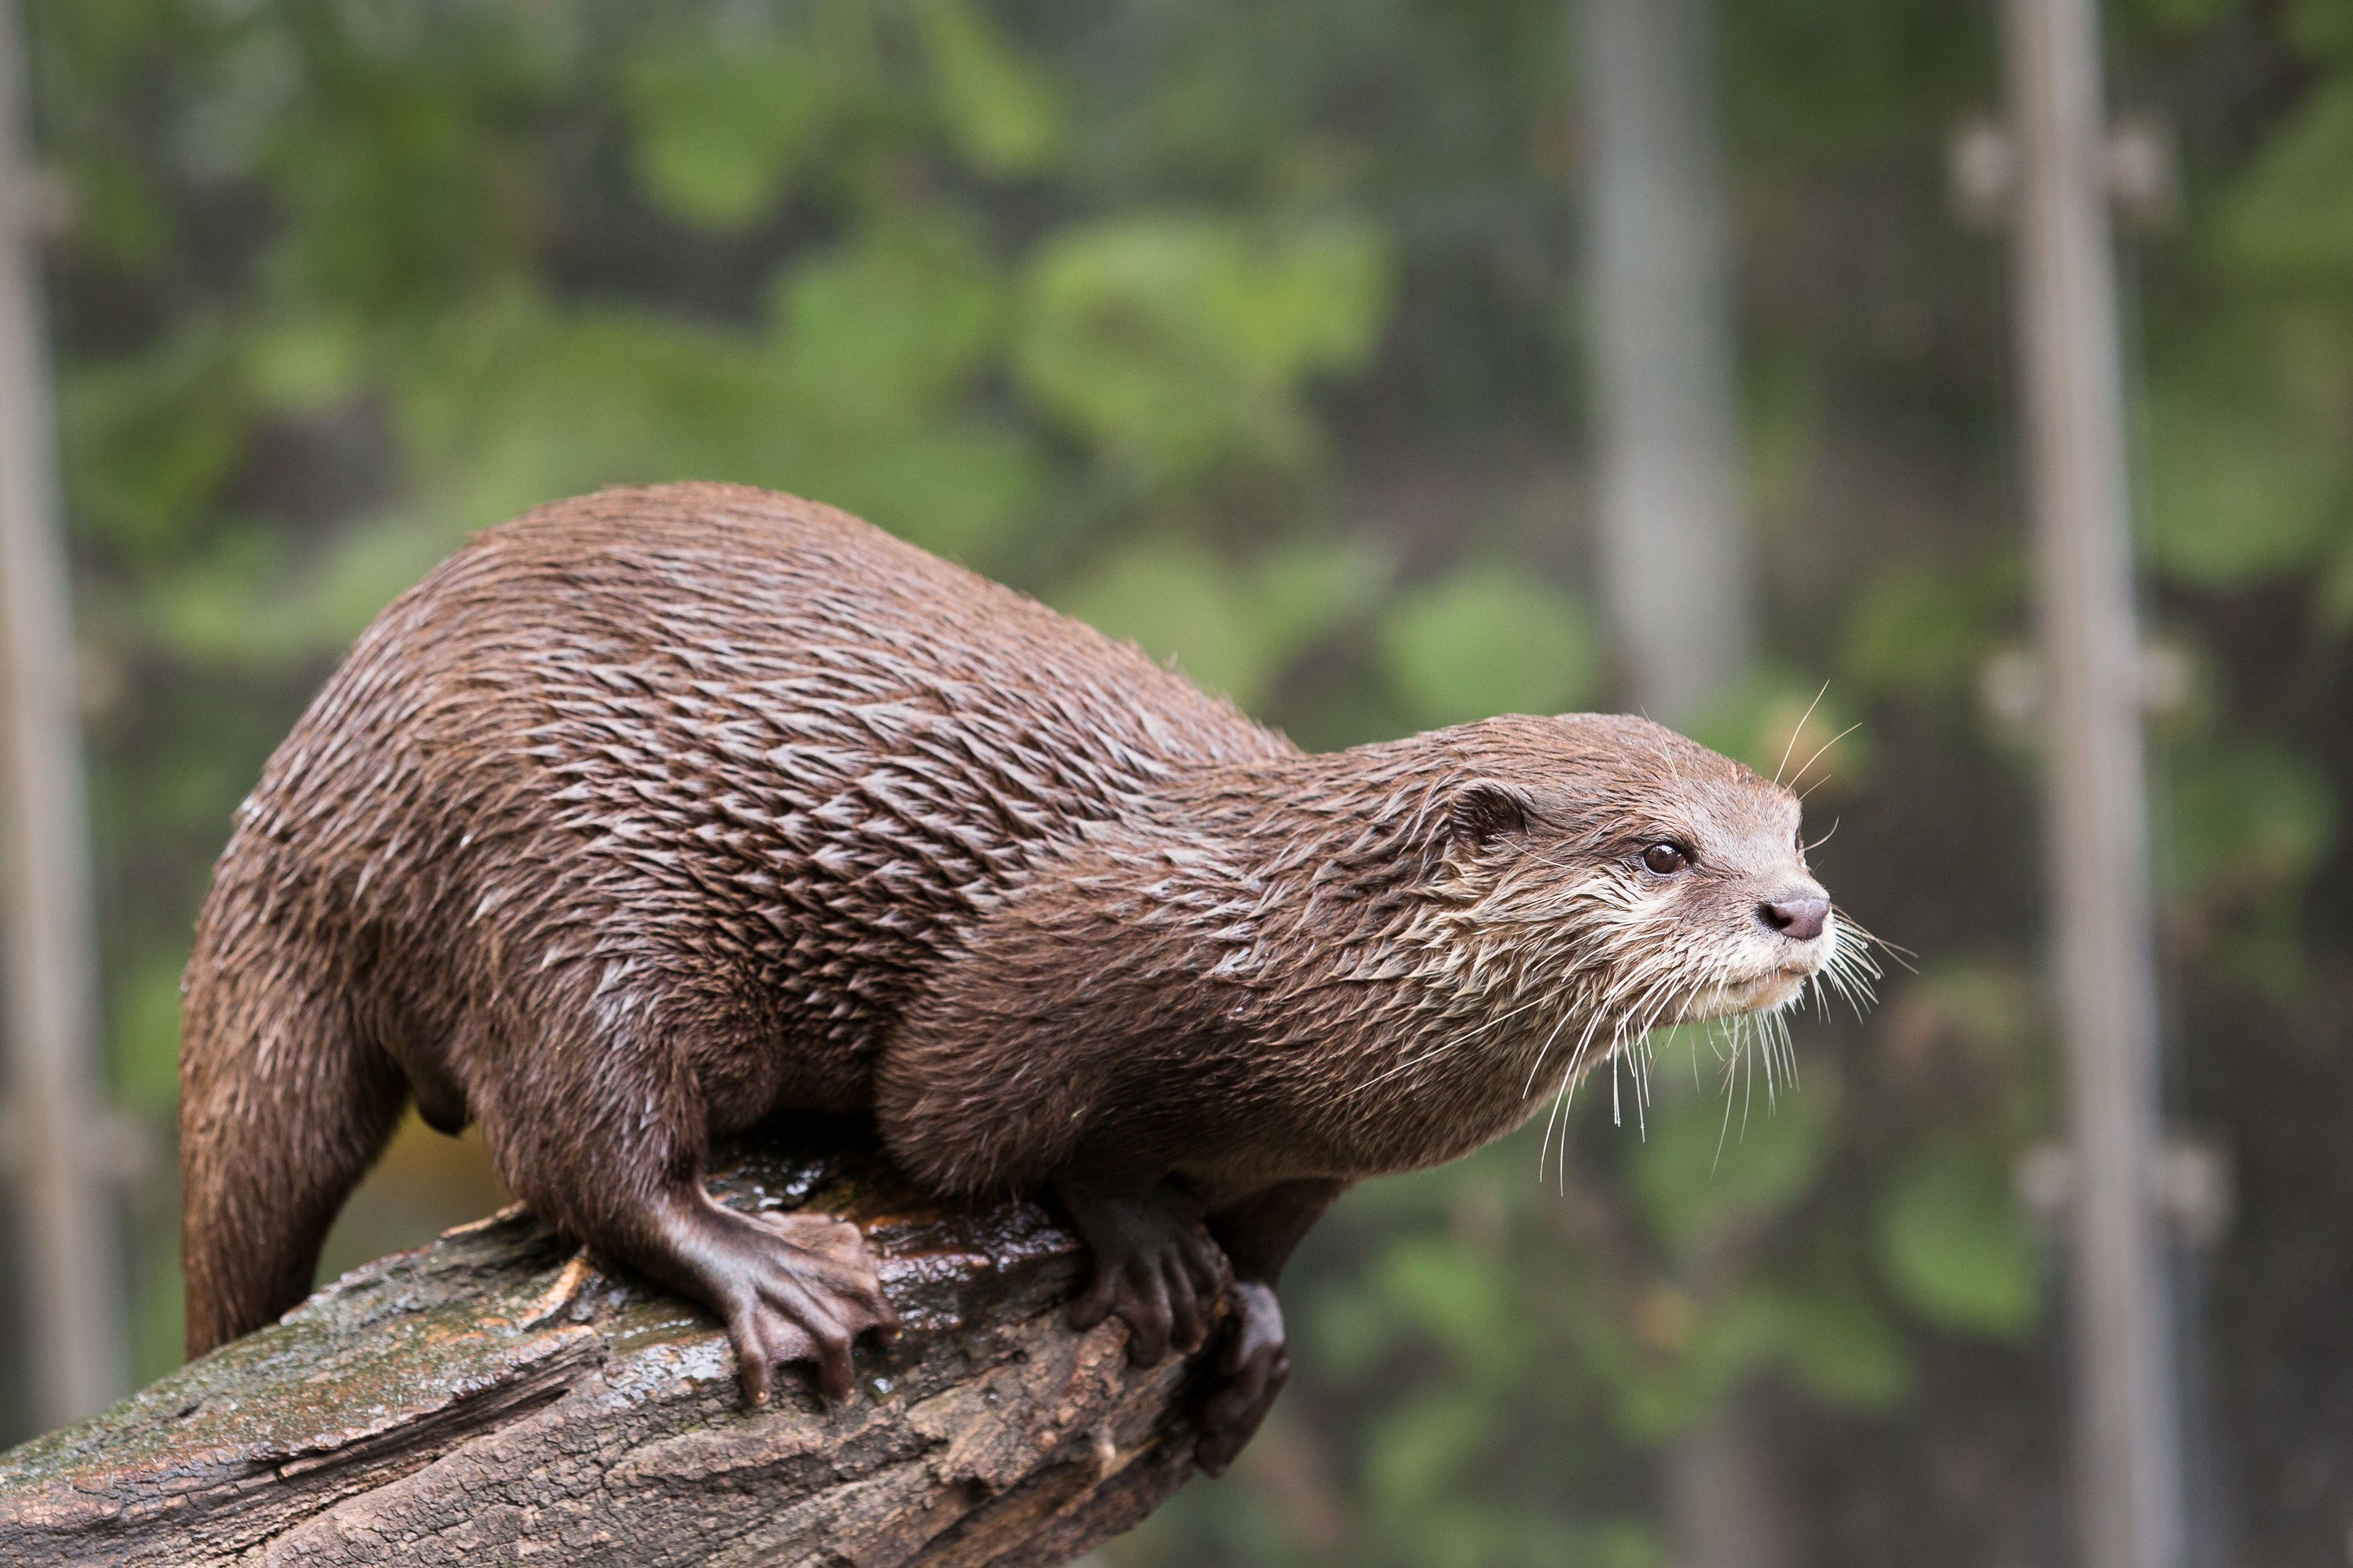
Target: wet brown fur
[652,813]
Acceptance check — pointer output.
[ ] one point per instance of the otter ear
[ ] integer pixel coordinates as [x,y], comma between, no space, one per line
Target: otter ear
[1487,809]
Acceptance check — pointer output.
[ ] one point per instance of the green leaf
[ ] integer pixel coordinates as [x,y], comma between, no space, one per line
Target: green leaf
[1459,1297]
[2291,213]
[1486,641]
[2323,29]
[2336,589]
[721,131]
[2245,813]
[1844,1351]
[1347,1332]
[154,439]
[1923,633]
[1745,1151]
[1958,1009]
[1305,587]
[121,215]
[1002,110]
[2188,15]
[963,487]
[397,184]
[1418,1453]
[886,329]
[1180,343]
[1180,603]
[1955,1246]
[2243,483]
[242,606]
[519,401]
[1232,628]
[146,1044]
[1732,1340]
[305,364]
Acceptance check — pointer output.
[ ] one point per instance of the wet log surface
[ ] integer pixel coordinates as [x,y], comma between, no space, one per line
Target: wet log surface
[498,1398]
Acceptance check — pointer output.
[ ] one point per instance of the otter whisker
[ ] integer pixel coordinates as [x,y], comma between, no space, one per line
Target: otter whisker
[1850,984]
[1850,971]
[1654,1003]
[1565,1101]
[1537,1065]
[1737,1032]
[1745,1041]
[1568,1077]
[1709,979]
[1895,951]
[1564,1098]
[1825,746]
[1627,1040]
[1748,1093]
[1796,730]
[1440,1049]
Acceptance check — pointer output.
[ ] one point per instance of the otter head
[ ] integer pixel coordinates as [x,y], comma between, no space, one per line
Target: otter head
[1630,877]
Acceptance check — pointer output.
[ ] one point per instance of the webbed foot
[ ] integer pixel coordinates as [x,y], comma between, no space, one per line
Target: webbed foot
[1252,1369]
[789,1286]
[1156,1268]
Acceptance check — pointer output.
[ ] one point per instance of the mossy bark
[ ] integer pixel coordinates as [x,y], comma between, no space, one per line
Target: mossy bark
[497,1396]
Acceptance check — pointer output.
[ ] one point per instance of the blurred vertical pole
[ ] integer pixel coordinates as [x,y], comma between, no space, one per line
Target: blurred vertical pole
[1674,556]
[1674,553]
[2127,1442]
[67,1263]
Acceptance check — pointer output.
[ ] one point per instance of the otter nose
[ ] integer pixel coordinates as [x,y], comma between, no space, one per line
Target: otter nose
[1800,916]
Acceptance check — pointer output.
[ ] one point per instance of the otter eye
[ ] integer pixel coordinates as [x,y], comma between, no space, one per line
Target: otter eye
[1666,859]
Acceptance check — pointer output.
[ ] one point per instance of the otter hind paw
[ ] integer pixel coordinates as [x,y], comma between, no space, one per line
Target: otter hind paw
[797,1287]
[1250,1370]
[1156,1268]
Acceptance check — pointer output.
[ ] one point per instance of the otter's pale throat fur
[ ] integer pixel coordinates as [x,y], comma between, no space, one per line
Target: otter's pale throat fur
[651,814]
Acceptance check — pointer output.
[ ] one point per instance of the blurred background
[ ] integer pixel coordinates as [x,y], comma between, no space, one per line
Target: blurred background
[1315,343]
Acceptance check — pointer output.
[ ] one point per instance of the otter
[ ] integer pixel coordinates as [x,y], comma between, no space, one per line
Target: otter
[650,814]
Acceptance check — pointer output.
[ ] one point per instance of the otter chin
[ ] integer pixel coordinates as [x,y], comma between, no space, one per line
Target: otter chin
[1763,993]
[650,814]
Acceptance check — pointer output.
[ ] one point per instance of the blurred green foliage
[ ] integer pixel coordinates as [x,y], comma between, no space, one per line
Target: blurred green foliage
[1951,1242]
[1486,640]
[1251,331]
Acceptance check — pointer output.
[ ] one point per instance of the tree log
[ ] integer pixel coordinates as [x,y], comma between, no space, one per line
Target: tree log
[501,1396]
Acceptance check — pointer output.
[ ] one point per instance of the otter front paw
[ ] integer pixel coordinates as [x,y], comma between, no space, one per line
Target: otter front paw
[793,1287]
[1156,1268]
[1252,1369]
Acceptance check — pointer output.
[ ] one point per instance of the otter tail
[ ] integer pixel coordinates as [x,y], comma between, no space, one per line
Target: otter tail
[283,1106]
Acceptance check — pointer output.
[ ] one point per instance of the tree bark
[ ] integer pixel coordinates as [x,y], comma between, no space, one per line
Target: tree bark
[500,1396]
